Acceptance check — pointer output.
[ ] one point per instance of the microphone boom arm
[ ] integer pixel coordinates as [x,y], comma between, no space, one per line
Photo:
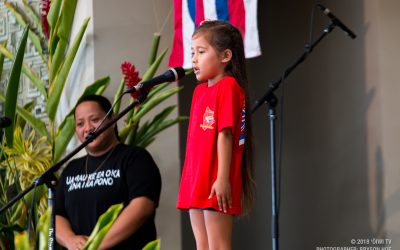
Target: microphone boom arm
[269,96]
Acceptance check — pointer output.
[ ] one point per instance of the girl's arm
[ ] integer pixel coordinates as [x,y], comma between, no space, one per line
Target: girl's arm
[222,187]
[66,237]
[131,218]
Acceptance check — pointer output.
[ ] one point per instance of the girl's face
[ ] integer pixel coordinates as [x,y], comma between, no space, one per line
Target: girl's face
[88,116]
[208,64]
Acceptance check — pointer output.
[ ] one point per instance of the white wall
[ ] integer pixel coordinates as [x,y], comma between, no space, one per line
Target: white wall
[123,31]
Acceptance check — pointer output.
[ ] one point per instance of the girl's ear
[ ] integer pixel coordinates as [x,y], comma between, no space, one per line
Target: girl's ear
[227,55]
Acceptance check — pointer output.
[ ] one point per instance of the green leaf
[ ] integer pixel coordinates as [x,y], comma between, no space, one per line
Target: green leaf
[32,13]
[149,74]
[153,245]
[102,226]
[23,22]
[43,229]
[66,19]
[19,121]
[118,93]
[64,135]
[124,132]
[22,241]
[36,123]
[36,81]
[12,87]
[154,48]
[151,103]
[159,118]
[96,88]
[157,89]
[60,78]
[154,66]
[52,16]
[57,58]
[147,132]
[2,59]
[28,117]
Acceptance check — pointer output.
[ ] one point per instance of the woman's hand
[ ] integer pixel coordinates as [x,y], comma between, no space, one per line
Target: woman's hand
[222,189]
[76,242]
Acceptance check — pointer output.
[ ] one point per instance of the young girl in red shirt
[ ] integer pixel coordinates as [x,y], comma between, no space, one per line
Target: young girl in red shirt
[217,180]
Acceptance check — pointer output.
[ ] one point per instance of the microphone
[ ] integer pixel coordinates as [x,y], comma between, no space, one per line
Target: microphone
[5,122]
[171,75]
[336,21]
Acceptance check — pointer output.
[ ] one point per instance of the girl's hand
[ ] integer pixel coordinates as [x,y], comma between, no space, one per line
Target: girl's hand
[222,189]
[76,242]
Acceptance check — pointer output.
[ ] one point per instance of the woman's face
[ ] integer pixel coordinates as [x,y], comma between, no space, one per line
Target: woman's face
[88,116]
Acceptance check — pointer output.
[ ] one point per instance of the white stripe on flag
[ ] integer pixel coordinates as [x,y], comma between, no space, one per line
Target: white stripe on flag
[187,30]
[251,40]
[210,11]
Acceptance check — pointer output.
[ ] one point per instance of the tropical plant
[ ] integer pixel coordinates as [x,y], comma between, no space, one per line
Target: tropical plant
[33,145]
[102,226]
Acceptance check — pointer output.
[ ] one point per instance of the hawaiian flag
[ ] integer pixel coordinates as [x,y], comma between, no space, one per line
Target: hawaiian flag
[189,13]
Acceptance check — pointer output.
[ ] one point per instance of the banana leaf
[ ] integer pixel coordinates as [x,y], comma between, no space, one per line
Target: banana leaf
[37,82]
[58,83]
[12,88]
[102,226]
[23,22]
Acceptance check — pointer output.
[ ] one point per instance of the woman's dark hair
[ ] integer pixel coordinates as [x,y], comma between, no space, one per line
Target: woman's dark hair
[222,35]
[104,104]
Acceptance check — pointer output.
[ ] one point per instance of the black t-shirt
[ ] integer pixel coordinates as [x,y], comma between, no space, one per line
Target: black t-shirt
[86,191]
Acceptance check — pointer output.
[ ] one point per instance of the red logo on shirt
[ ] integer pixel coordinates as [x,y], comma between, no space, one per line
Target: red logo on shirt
[208,119]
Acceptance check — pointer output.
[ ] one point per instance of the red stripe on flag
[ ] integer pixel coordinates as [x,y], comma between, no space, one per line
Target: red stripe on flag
[176,58]
[199,12]
[237,15]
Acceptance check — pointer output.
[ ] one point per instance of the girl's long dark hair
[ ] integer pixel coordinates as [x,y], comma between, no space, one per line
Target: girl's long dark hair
[221,36]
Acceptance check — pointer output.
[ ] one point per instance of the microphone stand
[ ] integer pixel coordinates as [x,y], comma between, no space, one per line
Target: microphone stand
[272,101]
[50,179]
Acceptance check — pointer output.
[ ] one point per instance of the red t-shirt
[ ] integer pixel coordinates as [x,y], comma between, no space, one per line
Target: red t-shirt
[213,109]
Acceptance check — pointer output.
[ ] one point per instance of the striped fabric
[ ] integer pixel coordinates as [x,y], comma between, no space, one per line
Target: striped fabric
[189,13]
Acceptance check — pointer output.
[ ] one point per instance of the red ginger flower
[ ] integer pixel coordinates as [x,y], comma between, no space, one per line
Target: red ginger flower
[131,76]
[44,11]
